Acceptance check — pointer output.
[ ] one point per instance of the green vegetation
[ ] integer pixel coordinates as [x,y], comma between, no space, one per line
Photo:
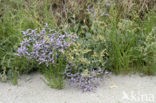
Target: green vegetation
[116,35]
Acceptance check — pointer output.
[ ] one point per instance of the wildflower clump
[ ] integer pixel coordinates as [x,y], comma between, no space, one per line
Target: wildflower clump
[44,46]
[85,80]
[47,47]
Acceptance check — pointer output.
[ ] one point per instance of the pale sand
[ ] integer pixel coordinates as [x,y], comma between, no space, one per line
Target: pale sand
[137,89]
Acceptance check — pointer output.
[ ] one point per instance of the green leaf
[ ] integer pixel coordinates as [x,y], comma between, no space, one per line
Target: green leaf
[88,35]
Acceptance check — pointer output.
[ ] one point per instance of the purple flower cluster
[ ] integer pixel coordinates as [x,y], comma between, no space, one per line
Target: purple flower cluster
[91,11]
[44,46]
[86,83]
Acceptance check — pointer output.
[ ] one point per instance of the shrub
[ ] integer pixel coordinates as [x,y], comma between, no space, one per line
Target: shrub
[46,47]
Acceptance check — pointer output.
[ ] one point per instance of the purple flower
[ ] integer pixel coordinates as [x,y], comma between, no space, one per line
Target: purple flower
[88,83]
[44,46]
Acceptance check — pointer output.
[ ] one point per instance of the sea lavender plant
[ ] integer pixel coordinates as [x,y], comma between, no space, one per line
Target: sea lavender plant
[86,80]
[47,47]
[44,46]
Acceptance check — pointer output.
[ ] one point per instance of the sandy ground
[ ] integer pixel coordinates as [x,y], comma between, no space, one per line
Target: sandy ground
[116,89]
